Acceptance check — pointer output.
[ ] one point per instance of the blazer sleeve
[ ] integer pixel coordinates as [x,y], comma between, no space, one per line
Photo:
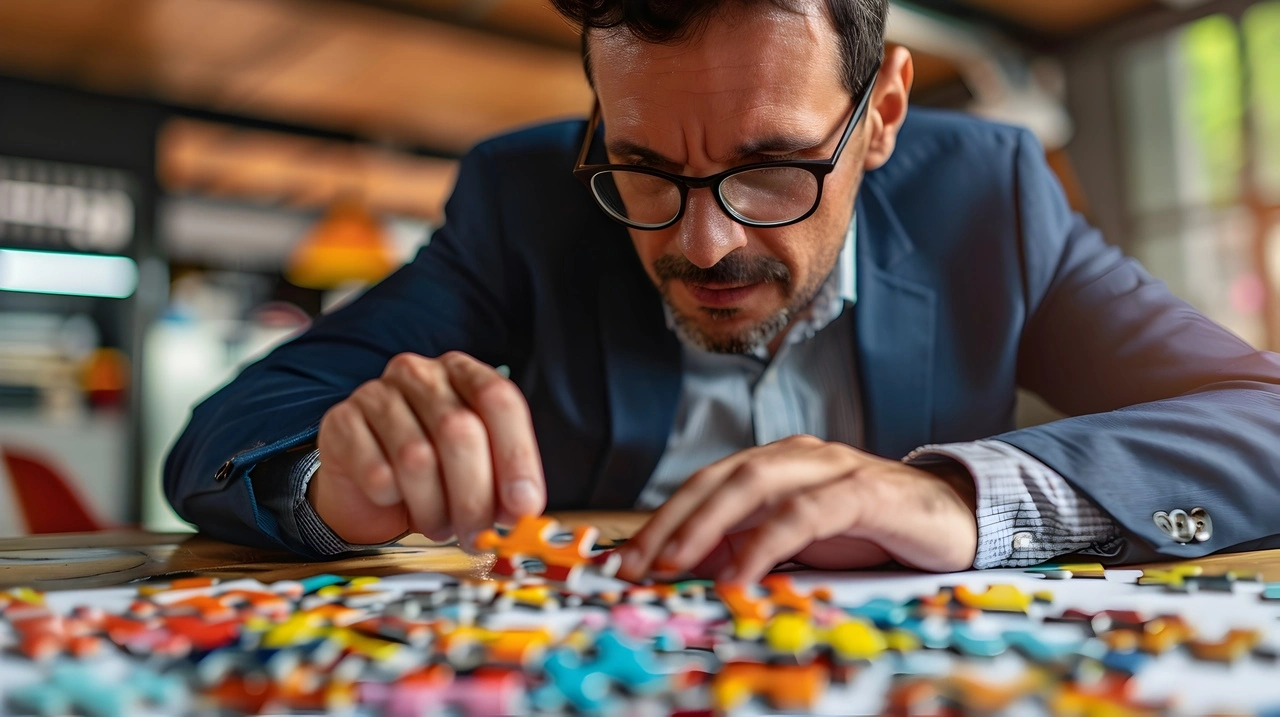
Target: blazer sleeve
[1170,410]
[459,293]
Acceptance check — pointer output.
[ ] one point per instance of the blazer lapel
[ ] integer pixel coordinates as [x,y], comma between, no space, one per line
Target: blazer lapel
[642,376]
[895,316]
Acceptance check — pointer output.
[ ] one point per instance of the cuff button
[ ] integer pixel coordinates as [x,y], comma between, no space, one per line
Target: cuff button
[224,471]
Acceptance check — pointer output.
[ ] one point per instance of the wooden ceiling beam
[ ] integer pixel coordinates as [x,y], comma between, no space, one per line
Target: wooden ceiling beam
[210,159]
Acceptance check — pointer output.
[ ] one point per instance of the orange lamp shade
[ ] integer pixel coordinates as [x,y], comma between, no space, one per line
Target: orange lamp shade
[347,245]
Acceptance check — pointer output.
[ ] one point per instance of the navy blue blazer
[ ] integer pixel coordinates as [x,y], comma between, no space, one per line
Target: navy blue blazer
[974,278]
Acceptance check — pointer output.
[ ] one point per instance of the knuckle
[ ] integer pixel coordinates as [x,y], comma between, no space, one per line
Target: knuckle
[407,369]
[701,478]
[803,509]
[500,395]
[370,392]
[402,364]
[341,418]
[451,358]
[753,475]
[460,427]
[375,473]
[416,456]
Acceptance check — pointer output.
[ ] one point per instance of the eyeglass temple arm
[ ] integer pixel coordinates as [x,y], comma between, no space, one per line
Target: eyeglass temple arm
[857,113]
[591,130]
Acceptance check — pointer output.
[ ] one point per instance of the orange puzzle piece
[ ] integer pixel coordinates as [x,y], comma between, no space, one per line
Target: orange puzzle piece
[537,539]
[783,687]
[780,594]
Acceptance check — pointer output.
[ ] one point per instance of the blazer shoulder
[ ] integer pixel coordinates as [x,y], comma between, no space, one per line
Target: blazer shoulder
[944,142]
[550,144]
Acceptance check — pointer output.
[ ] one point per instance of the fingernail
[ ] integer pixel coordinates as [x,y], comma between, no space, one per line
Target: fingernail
[523,497]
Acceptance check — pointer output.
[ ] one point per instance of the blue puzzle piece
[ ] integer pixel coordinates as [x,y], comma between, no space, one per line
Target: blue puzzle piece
[933,632]
[73,688]
[883,612]
[587,685]
[1039,649]
[1129,661]
[1271,591]
[968,642]
[162,690]
[315,582]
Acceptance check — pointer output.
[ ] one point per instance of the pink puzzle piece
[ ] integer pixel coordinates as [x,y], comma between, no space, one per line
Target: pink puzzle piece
[487,692]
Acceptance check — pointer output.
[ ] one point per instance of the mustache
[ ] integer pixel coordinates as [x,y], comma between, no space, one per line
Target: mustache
[734,268]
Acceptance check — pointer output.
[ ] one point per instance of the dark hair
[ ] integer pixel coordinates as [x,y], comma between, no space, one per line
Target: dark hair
[859,23]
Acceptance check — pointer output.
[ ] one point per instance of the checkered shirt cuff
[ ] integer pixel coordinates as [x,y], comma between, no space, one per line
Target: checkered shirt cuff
[309,528]
[1027,513]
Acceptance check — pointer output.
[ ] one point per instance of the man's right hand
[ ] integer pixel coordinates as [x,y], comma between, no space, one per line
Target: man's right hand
[440,446]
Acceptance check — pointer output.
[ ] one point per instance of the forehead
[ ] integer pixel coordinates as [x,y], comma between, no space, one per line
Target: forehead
[753,69]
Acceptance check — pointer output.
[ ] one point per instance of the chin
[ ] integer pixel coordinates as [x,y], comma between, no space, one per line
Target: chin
[729,330]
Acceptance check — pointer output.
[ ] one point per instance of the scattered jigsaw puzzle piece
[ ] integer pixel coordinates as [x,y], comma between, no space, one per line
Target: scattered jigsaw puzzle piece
[996,598]
[587,683]
[782,687]
[1110,696]
[978,695]
[1172,578]
[1041,649]
[855,639]
[1066,571]
[1233,646]
[436,690]
[883,612]
[967,641]
[75,688]
[538,541]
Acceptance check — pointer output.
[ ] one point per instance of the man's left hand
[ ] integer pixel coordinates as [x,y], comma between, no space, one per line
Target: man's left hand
[825,505]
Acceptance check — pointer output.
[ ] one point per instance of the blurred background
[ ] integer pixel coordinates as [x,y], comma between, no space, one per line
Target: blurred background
[186,183]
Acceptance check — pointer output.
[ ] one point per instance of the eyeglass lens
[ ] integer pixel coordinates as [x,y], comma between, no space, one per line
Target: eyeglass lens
[765,196]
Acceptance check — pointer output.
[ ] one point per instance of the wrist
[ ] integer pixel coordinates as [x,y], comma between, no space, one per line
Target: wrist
[956,477]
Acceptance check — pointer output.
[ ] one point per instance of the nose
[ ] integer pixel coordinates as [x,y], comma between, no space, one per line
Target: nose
[706,233]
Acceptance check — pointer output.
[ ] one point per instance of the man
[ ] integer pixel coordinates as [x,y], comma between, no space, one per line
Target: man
[760,289]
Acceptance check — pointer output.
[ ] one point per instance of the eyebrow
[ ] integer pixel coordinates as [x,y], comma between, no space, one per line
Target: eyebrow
[772,145]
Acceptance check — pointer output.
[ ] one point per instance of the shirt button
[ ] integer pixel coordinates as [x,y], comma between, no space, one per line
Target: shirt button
[1021,541]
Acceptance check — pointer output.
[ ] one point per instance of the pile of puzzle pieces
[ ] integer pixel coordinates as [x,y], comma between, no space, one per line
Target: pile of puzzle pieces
[553,632]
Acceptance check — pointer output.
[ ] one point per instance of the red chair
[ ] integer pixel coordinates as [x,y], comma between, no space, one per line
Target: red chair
[47,500]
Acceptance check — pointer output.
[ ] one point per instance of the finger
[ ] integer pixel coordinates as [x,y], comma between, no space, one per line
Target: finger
[413,462]
[642,549]
[755,488]
[457,436]
[347,444]
[517,466]
[804,518]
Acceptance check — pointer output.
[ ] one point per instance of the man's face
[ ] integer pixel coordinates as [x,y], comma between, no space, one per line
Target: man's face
[759,84]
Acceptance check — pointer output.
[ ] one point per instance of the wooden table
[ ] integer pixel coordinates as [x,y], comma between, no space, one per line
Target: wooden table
[86,560]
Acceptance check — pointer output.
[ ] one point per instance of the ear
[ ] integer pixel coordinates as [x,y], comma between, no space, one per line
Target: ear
[888,106]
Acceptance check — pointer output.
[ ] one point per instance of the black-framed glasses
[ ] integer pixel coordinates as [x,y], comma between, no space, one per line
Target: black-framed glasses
[761,194]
